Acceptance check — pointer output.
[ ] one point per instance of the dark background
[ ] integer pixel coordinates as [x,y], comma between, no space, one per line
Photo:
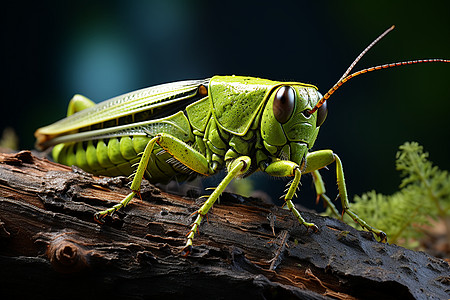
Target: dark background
[53,49]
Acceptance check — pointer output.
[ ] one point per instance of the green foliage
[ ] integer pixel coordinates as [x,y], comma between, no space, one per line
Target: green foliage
[424,193]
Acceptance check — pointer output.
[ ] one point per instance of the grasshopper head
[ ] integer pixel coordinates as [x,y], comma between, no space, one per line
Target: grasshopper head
[294,113]
[288,129]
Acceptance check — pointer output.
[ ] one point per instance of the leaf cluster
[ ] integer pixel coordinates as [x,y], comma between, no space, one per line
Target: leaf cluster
[424,194]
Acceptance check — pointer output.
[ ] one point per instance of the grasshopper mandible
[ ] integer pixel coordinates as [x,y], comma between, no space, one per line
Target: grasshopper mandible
[199,127]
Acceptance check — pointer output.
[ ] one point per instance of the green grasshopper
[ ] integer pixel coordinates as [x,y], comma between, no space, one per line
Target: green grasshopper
[199,127]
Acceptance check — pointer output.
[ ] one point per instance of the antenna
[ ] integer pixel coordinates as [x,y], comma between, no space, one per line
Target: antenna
[345,77]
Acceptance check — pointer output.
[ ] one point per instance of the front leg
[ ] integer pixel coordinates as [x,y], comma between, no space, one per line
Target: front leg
[284,168]
[319,159]
[320,191]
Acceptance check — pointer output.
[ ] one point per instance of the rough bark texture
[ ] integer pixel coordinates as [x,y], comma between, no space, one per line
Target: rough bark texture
[51,247]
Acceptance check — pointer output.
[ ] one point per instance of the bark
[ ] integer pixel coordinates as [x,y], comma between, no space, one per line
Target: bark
[50,246]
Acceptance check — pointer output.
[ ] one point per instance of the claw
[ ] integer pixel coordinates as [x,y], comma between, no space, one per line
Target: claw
[186,251]
[313,227]
[382,236]
[99,218]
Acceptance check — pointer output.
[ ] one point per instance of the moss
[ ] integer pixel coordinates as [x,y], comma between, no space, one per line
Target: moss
[9,139]
[424,194]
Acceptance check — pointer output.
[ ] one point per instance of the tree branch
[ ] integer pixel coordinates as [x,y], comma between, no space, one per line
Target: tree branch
[50,246]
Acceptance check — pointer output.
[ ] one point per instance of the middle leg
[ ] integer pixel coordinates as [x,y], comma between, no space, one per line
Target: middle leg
[238,167]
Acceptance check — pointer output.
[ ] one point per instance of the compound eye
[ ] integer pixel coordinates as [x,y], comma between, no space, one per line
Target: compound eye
[284,103]
[322,113]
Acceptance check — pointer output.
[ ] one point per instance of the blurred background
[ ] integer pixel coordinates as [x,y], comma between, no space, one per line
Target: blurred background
[54,49]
